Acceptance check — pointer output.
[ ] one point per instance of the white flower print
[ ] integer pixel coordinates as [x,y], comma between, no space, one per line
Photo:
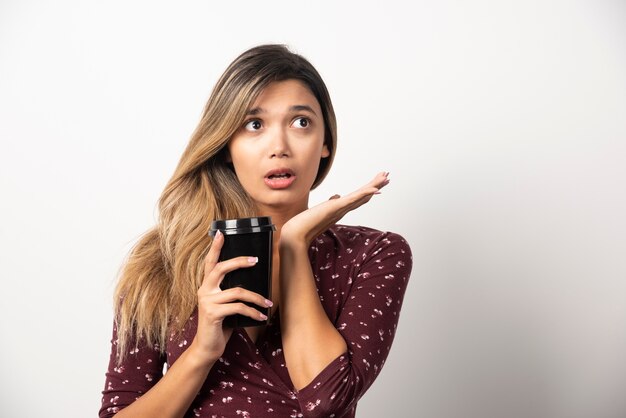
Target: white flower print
[357,287]
[311,406]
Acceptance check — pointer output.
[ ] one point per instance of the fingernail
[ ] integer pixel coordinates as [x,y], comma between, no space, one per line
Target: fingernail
[253,260]
[218,233]
[268,303]
[263,316]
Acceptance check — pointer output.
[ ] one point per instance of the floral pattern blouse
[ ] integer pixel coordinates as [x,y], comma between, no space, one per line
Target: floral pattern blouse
[361,276]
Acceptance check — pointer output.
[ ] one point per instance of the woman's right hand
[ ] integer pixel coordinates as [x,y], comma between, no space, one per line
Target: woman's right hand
[215,304]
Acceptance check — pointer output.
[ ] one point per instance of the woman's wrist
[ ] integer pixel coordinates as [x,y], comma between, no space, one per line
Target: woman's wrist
[293,238]
[199,358]
[291,245]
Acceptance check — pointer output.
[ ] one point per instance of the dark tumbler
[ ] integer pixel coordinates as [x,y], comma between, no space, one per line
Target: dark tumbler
[247,237]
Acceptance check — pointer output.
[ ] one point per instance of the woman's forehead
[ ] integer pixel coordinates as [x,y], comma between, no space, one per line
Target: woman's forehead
[287,94]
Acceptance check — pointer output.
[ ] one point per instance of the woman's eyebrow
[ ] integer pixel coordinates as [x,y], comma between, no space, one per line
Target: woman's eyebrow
[300,108]
[295,108]
[254,111]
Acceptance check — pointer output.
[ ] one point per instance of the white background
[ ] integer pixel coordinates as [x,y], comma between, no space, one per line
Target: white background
[502,124]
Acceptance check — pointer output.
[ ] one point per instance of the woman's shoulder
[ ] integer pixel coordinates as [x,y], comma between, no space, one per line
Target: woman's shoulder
[353,232]
[363,237]
[375,255]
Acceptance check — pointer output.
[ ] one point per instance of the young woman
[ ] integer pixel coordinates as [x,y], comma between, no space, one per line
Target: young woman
[266,138]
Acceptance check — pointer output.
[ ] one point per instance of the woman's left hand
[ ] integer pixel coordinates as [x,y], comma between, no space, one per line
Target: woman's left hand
[307,225]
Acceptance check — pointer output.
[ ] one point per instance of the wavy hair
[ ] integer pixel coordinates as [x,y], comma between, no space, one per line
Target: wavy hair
[158,283]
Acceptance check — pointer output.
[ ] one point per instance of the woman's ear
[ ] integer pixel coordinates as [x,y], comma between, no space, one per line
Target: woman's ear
[325,151]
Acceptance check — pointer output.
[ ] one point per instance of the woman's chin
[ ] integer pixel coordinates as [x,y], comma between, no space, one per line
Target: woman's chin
[282,204]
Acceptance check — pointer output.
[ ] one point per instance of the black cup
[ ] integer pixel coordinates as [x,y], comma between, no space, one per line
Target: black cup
[247,237]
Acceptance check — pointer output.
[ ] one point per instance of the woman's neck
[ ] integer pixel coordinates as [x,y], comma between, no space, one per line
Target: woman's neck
[282,215]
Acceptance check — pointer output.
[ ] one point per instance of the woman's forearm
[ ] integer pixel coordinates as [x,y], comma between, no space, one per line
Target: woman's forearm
[310,340]
[174,393]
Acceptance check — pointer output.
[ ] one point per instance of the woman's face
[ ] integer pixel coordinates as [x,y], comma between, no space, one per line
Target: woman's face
[277,152]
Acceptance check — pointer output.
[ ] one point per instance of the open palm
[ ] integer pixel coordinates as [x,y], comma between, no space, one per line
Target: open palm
[312,222]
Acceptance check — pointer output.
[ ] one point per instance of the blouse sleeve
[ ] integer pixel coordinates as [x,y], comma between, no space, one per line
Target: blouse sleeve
[368,323]
[141,369]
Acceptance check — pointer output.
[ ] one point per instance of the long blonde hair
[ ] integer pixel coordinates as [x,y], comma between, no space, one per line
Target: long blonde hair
[157,288]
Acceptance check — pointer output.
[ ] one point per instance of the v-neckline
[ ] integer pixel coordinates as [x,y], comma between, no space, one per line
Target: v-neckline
[262,337]
[272,359]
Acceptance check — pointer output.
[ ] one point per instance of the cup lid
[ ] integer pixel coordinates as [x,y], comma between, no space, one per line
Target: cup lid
[242,225]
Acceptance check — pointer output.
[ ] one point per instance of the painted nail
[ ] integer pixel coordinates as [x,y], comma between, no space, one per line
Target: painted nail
[253,260]
[218,233]
[263,316]
[268,303]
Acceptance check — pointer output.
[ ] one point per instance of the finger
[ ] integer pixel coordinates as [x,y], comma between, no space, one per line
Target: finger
[336,207]
[358,197]
[212,257]
[373,187]
[380,180]
[354,200]
[224,310]
[240,294]
[214,277]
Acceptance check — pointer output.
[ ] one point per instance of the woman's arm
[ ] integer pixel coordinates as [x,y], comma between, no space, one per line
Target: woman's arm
[373,292]
[310,340]
[141,369]
[173,394]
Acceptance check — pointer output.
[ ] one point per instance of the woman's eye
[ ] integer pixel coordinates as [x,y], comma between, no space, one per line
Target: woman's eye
[301,123]
[253,125]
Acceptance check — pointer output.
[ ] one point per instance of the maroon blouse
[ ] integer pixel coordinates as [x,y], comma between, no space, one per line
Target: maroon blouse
[361,276]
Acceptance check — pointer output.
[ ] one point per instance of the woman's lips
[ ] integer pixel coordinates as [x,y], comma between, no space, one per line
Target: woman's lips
[279,178]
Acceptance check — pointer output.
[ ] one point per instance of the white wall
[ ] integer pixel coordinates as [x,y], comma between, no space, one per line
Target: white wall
[503,126]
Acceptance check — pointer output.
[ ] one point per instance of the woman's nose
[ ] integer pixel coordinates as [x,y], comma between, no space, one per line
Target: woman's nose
[279,144]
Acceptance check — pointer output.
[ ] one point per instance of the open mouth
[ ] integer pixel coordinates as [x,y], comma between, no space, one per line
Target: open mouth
[280,173]
[279,176]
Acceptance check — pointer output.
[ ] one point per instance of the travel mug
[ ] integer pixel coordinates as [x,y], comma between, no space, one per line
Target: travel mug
[247,237]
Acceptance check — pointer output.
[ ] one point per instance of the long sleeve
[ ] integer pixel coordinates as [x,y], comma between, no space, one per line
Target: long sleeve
[141,369]
[361,276]
[378,273]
